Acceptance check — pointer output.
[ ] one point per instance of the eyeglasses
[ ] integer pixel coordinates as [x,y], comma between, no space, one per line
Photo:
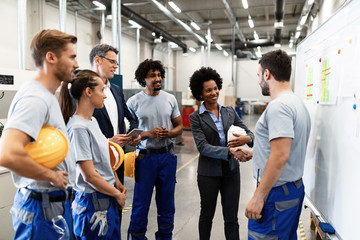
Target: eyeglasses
[112,61]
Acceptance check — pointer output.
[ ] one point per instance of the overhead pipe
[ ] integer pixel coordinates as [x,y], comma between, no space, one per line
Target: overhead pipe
[62,10]
[148,25]
[279,18]
[253,44]
[172,17]
[22,33]
[119,33]
[114,22]
[102,27]
[234,21]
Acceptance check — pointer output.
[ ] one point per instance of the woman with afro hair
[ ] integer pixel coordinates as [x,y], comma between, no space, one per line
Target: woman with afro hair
[218,170]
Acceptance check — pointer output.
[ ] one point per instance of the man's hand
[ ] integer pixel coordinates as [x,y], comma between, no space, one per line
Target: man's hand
[162,133]
[135,141]
[121,139]
[59,179]
[254,207]
[239,141]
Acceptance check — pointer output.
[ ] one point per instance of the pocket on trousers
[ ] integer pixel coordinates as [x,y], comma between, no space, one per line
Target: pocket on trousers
[22,222]
[22,215]
[284,210]
[104,204]
[79,218]
[55,209]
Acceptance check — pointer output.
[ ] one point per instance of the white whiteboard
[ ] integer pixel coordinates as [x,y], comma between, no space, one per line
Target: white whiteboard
[328,80]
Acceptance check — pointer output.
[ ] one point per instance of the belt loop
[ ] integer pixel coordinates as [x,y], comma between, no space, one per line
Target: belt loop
[26,193]
[45,200]
[285,188]
[298,183]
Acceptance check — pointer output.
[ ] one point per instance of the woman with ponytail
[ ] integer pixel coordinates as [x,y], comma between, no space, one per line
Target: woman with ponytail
[94,208]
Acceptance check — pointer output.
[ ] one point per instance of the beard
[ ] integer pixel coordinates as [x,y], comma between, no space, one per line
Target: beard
[62,73]
[158,88]
[264,87]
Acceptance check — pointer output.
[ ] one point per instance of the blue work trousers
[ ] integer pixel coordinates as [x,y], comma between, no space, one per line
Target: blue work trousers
[157,170]
[83,209]
[29,221]
[281,214]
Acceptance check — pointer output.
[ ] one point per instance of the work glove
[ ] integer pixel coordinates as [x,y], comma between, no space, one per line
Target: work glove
[99,217]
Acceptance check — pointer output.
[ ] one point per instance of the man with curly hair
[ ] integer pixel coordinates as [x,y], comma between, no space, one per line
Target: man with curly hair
[159,118]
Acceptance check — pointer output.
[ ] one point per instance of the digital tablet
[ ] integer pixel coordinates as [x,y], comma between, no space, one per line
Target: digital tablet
[135,132]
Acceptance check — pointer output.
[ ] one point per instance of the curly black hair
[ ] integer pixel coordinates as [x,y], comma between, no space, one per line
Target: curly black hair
[199,77]
[145,67]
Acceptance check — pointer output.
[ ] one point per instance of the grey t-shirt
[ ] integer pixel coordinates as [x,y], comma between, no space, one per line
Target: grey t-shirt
[152,112]
[89,143]
[32,108]
[286,116]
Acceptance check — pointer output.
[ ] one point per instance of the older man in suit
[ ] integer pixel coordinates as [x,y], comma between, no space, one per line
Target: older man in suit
[111,116]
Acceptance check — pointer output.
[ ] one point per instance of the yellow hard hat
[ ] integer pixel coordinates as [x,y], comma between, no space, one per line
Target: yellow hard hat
[50,147]
[129,165]
[114,161]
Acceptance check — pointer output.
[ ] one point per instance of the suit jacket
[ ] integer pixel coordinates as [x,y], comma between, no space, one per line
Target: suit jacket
[103,118]
[207,140]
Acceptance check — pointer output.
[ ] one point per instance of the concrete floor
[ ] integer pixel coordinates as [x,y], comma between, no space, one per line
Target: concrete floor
[187,199]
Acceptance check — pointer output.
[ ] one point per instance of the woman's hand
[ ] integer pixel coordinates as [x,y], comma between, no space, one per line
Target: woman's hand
[120,199]
[239,141]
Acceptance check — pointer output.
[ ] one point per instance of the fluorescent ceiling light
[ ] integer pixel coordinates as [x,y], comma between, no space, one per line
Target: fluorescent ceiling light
[277,45]
[245,4]
[173,45]
[134,24]
[310,2]
[154,34]
[298,28]
[192,49]
[225,53]
[251,23]
[258,52]
[208,38]
[195,26]
[256,36]
[173,5]
[218,47]
[99,5]
[160,6]
[279,24]
[291,45]
[303,20]
[297,34]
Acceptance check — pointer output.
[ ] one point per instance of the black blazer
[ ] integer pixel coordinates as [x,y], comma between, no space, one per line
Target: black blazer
[207,140]
[103,118]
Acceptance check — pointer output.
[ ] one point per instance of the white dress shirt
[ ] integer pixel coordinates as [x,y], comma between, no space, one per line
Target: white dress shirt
[111,108]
